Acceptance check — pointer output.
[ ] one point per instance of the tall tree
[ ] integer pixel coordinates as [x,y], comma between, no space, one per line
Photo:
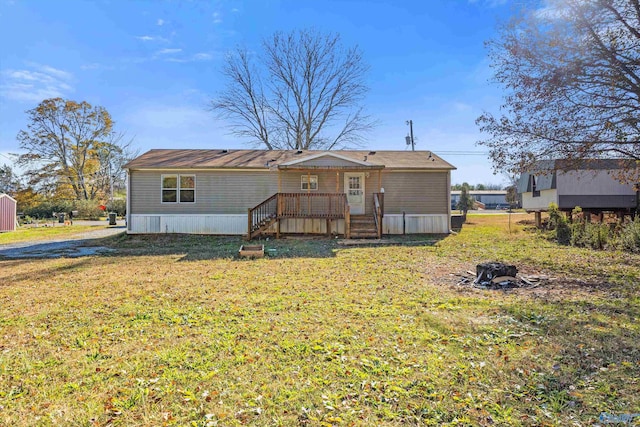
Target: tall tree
[466,201]
[9,181]
[303,92]
[70,147]
[571,72]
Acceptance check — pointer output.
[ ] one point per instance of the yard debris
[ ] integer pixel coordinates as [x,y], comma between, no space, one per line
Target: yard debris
[496,275]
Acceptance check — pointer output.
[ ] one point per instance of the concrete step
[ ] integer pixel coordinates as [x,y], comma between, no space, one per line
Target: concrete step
[364,235]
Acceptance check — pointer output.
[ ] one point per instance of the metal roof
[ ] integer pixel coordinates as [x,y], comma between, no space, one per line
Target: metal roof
[269,159]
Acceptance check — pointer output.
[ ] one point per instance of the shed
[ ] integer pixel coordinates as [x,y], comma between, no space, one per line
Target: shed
[7,213]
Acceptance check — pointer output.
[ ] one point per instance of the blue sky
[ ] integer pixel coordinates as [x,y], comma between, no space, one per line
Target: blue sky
[154,65]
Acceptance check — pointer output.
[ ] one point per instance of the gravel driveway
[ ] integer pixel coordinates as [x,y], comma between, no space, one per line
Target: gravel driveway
[68,247]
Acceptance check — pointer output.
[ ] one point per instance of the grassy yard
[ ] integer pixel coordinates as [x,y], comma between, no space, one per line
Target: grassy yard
[45,232]
[173,330]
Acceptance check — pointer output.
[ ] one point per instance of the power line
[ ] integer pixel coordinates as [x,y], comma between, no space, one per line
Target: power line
[462,153]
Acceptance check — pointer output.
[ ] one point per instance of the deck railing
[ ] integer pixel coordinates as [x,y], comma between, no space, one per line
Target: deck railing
[298,205]
[311,205]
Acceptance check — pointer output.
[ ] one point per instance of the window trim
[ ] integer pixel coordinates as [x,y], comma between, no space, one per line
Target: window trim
[308,179]
[178,187]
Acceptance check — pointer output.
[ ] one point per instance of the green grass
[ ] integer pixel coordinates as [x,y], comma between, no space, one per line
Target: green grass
[45,232]
[174,330]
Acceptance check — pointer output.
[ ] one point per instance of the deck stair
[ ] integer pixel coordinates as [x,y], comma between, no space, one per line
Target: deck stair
[363,227]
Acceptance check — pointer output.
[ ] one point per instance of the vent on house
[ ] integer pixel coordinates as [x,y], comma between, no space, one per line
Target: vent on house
[371,153]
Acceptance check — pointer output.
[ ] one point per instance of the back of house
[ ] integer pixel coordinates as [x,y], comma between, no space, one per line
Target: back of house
[321,192]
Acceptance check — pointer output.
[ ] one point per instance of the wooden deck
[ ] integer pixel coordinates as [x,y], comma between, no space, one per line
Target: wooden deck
[327,206]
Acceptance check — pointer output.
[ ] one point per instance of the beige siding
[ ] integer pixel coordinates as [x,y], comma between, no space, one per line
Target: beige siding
[217,192]
[541,202]
[327,161]
[326,182]
[415,192]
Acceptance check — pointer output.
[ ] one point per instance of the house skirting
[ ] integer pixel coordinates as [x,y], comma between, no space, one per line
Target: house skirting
[415,224]
[236,224]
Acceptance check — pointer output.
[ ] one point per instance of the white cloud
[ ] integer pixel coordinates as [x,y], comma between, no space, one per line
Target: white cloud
[235,10]
[160,22]
[217,18]
[202,56]
[168,51]
[147,38]
[36,83]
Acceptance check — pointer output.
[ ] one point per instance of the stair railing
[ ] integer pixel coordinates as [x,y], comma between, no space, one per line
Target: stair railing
[261,214]
[378,211]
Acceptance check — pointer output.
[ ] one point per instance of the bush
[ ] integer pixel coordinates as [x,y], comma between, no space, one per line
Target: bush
[46,209]
[558,222]
[628,238]
[88,209]
[597,235]
[119,206]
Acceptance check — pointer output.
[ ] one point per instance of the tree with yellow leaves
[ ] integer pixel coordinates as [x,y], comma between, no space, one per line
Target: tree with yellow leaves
[72,150]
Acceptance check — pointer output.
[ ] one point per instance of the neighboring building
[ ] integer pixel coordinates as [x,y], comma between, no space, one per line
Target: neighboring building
[490,199]
[593,186]
[7,213]
[260,191]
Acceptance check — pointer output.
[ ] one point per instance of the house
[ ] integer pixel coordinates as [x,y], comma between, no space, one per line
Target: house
[7,213]
[592,185]
[253,192]
[491,199]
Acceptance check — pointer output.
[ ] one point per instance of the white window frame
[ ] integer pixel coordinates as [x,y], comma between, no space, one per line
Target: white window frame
[178,188]
[308,180]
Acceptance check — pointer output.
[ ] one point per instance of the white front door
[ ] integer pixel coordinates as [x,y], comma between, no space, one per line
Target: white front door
[354,187]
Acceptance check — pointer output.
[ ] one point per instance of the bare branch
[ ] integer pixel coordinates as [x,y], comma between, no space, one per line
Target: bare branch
[314,90]
[572,84]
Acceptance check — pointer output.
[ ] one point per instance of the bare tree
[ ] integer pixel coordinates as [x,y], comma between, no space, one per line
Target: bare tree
[71,149]
[571,72]
[303,92]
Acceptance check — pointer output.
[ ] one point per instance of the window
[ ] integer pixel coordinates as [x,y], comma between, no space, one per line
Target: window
[178,188]
[536,192]
[309,182]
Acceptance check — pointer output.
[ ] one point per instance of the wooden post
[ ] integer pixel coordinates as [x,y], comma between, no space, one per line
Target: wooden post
[379,180]
[337,182]
[347,221]
[249,224]
[279,181]
[538,216]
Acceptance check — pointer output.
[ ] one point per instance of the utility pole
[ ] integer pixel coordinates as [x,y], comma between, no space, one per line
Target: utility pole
[110,182]
[409,137]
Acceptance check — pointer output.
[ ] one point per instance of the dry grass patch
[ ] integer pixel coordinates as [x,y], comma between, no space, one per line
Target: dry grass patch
[43,233]
[176,331]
